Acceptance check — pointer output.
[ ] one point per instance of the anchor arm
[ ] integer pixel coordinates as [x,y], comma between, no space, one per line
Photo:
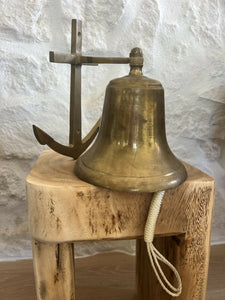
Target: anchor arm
[45,139]
[91,135]
[72,151]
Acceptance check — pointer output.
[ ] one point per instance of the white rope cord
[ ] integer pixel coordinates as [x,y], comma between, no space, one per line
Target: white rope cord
[154,254]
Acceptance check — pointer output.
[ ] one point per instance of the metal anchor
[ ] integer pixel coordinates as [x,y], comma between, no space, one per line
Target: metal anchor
[77,145]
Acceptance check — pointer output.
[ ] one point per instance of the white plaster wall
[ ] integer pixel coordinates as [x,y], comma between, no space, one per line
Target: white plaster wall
[184,47]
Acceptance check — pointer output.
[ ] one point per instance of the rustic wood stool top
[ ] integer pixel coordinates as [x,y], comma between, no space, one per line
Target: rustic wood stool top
[63,209]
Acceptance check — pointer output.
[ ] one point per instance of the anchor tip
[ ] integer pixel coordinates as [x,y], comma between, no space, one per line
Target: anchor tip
[39,134]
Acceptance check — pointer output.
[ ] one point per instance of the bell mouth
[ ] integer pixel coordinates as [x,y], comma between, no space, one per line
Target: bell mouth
[148,184]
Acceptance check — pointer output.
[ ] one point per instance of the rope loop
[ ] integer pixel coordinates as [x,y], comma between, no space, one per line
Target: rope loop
[154,255]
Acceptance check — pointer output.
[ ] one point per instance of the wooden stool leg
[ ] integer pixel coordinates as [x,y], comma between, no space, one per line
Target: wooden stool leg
[190,259]
[188,252]
[54,271]
[148,287]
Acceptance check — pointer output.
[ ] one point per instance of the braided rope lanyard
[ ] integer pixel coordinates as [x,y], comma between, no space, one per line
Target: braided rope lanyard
[154,255]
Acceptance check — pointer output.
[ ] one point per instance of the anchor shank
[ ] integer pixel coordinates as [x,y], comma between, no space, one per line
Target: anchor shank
[75,86]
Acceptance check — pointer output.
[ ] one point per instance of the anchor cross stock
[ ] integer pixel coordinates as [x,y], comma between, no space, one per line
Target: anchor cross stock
[77,145]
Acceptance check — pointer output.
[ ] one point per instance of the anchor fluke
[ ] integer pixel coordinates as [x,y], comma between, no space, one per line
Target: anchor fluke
[45,139]
[72,150]
[41,136]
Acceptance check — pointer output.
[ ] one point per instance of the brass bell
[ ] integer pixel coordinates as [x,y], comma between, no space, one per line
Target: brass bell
[131,152]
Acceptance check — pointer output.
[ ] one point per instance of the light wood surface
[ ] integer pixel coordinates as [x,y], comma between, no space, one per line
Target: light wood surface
[108,276]
[54,271]
[63,209]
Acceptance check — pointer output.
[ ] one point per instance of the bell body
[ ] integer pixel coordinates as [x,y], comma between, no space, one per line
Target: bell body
[131,151]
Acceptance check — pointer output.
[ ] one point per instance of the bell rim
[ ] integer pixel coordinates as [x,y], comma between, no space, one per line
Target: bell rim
[120,183]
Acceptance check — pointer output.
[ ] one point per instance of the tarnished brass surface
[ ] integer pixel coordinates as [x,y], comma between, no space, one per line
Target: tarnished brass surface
[77,145]
[131,152]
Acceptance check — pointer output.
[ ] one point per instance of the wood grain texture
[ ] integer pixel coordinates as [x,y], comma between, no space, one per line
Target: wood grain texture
[54,271]
[63,208]
[108,276]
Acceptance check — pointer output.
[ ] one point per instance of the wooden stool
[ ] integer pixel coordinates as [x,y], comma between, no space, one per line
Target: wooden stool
[63,209]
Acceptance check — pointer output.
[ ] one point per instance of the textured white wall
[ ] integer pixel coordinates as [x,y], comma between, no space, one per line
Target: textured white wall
[184,47]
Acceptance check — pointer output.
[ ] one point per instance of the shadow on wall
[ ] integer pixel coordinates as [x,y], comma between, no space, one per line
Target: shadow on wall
[217,121]
[197,131]
[214,140]
[213,147]
[197,136]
